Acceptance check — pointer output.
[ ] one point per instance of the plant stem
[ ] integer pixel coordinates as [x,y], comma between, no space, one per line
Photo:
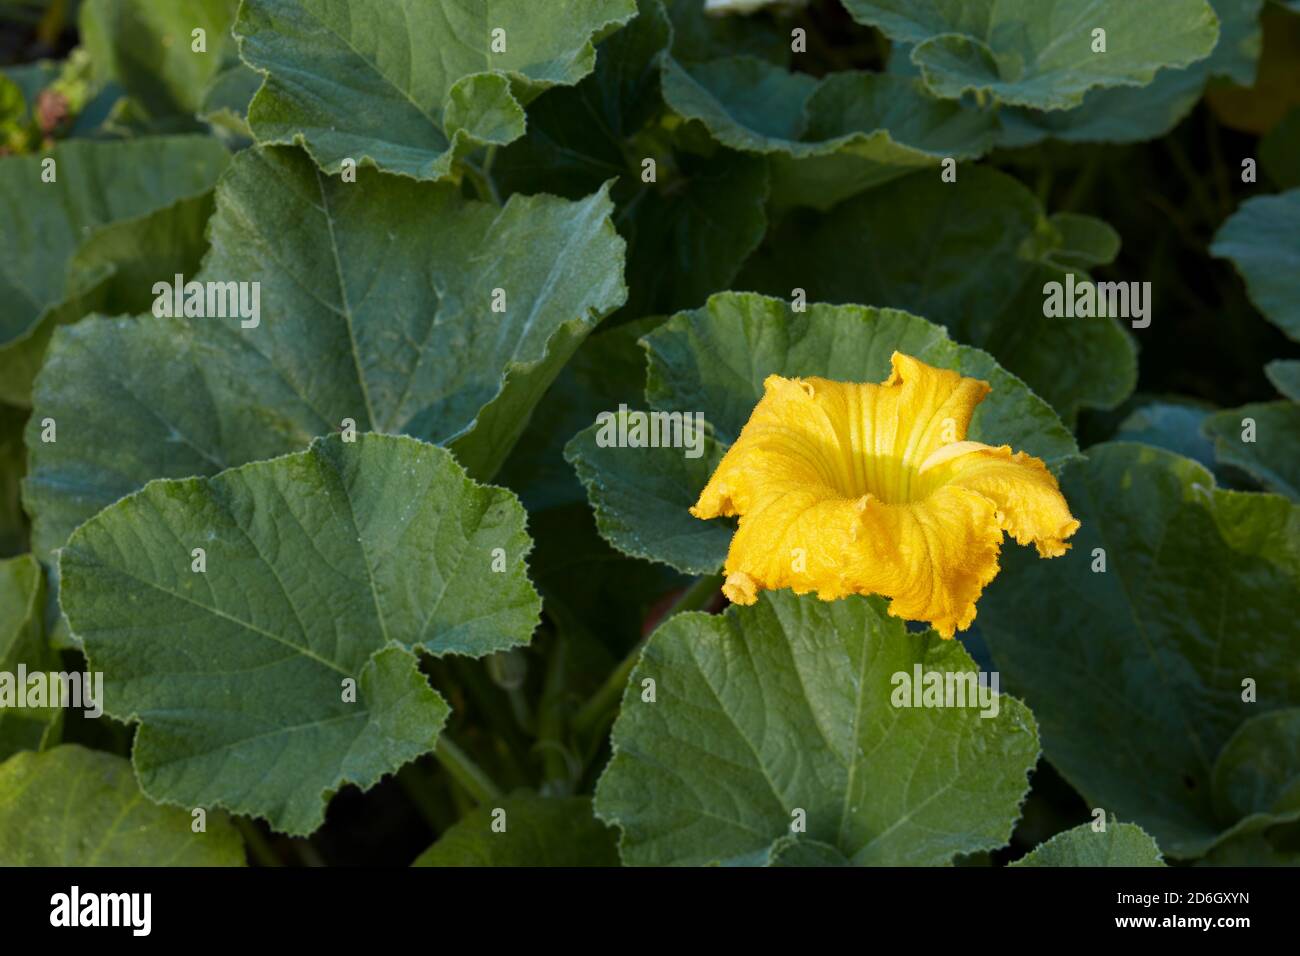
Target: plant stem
[550,722]
[1220,171]
[593,714]
[307,853]
[465,771]
[481,177]
[256,843]
[52,23]
[495,704]
[1195,182]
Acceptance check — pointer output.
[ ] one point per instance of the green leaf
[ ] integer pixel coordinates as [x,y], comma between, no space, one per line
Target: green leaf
[713,361]
[688,236]
[147,48]
[1258,770]
[641,500]
[973,255]
[114,271]
[1257,783]
[76,807]
[225,101]
[47,223]
[1272,455]
[346,333]
[698,37]
[121,261]
[826,139]
[1085,241]
[1285,376]
[1273,846]
[22,642]
[1130,115]
[411,86]
[800,851]
[694,363]
[786,706]
[1174,426]
[1140,685]
[1120,115]
[538,832]
[1263,241]
[689,231]
[1241,41]
[1039,53]
[334,564]
[1120,844]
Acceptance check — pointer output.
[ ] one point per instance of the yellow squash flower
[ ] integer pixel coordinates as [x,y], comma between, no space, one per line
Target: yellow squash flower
[845,489]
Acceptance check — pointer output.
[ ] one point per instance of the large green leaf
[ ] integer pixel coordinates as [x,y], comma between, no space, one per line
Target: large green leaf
[332,565]
[689,231]
[713,361]
[697,36]
[76,807]
[1285,376]
[377,307]
[641,496]
[225,101]
[22,642]
[1257,775]
[1137,673]
[411,86]
[786,706]
[1120,844]
[826,139]
[113,273]
[1174,426]
[1272,453]
[97,185]
[1039,53]
[1129,114]
[1263,241]
[537,832]
[974,255]
[1120,115]
[1274,846]
[147,48]
[1257,783]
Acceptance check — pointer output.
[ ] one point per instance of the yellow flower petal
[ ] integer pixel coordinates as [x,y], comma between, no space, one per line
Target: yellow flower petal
[847,488]
[1030,505]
